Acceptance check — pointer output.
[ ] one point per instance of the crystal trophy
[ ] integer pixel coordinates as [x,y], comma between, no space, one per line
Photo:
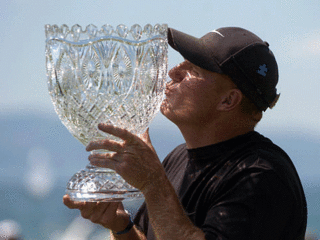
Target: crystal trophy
[114,75]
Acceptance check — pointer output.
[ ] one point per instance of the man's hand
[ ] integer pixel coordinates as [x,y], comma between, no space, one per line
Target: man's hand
[137,162]
[134,158]
[110,215]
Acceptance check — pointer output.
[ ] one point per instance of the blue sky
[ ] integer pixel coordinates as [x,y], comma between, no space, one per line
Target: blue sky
[291,27]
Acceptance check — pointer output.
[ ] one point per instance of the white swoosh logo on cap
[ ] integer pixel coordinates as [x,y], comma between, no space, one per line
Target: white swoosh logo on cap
[215,31]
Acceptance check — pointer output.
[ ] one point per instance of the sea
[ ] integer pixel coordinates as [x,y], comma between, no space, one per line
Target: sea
[38,156]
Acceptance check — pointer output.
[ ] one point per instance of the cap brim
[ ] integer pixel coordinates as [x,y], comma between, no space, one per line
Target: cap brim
[192,49]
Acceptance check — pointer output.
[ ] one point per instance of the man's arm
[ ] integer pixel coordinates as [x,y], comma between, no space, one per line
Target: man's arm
[137,162]
[133,234]
[166,214]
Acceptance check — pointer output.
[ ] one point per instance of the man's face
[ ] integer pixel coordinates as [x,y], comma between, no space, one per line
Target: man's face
[192,95]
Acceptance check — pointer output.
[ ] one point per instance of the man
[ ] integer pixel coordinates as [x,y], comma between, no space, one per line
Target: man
[227,181]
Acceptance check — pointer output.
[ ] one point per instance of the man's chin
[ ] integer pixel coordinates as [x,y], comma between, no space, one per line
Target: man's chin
[167,111]
[163,110]
[164,107]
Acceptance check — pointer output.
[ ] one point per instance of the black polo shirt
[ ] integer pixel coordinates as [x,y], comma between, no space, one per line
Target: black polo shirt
[243,188]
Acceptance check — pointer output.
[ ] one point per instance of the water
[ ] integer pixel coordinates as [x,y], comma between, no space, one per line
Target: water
[46,218]
[40,156]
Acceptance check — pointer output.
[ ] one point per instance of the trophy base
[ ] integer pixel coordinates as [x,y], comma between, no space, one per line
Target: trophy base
[94,184]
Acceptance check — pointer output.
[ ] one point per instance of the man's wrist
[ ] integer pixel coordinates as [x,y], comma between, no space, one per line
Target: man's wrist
[155,185]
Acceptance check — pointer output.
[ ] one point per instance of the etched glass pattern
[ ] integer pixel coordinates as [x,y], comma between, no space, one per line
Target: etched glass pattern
[112,75]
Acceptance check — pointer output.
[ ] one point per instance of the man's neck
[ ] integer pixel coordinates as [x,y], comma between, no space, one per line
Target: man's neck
[200,136]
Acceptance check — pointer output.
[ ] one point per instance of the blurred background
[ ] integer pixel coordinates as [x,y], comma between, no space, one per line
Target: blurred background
[39,155]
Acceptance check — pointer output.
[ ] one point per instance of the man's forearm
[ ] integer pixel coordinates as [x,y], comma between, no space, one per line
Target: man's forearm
[166,214]
[133,234]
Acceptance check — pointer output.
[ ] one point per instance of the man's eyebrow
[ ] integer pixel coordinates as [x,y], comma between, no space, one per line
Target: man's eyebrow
[196,68]
[193,66]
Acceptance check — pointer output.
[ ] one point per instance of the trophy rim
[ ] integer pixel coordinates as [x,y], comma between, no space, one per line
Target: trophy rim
[76,34]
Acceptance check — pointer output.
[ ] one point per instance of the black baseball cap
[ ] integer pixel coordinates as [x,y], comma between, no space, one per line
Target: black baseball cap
[238,53]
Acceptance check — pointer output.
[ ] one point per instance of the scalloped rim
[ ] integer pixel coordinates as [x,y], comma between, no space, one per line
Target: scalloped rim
[76,33]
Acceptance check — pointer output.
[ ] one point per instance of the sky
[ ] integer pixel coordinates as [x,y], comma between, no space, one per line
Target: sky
[291,27]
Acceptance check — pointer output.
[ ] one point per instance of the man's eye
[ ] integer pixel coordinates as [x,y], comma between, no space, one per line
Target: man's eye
[195,73]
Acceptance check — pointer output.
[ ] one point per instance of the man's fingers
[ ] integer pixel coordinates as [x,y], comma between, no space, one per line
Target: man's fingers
[104,144]
[110,212]
[101,160]
[146,137]
[116,131]
[88,209]
[98,211]
[72,204]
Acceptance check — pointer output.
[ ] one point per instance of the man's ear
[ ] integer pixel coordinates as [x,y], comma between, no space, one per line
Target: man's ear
[230,99]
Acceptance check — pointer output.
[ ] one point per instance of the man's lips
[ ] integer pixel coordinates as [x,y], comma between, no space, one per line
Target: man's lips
[169,88]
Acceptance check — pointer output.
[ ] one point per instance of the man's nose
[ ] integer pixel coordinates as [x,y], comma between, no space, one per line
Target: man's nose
[176,74]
